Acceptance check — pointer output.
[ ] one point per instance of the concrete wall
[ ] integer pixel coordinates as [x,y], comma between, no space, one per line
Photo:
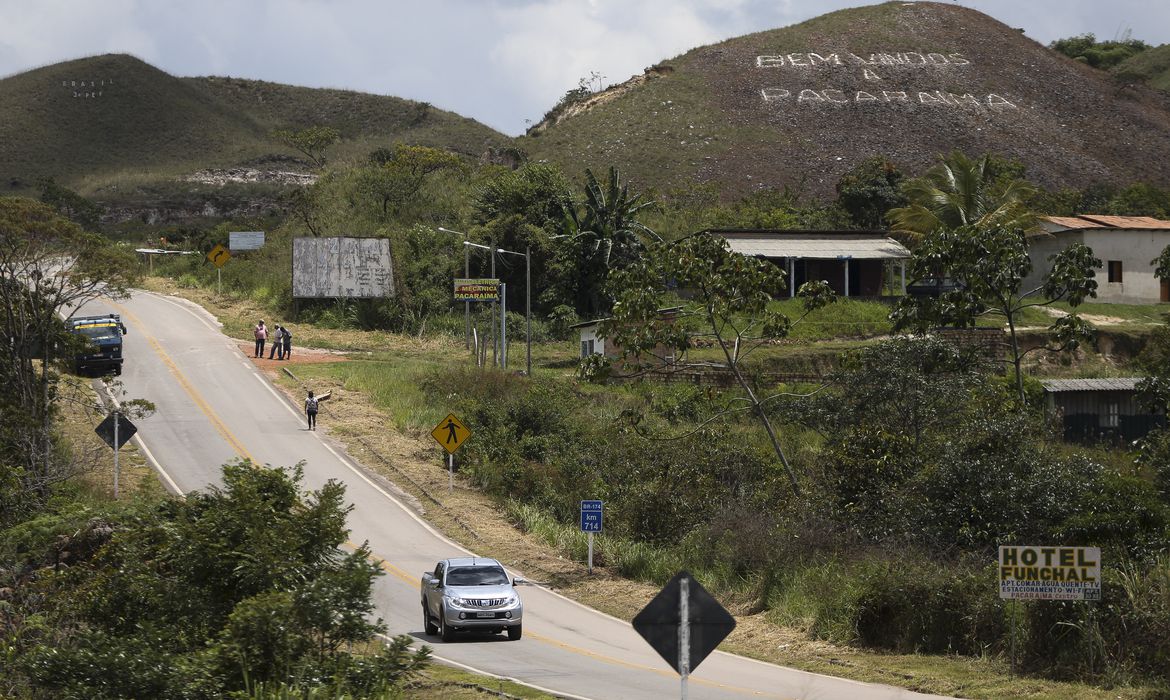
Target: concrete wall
[1134,248]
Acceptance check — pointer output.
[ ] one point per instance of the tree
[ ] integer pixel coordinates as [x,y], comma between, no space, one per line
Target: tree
[313,141]
[989,265]
[48,268]
[728,298]
[962,192]
[80,210]
[1099,54]
[869,190]
[200,597]
[394,177]
[604,234]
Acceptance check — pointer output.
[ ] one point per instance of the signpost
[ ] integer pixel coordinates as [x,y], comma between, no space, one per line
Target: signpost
[477,290]
[219,257]
[684,624]
[1047,573]
[591,522]
[116,430]
[450,433]
[245,240]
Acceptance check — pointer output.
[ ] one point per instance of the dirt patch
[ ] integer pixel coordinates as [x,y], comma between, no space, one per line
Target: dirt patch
[298,356]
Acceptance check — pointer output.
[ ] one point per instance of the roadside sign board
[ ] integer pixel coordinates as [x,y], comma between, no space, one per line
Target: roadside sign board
[245,240]
[591,516]
[219,255]
[126,430]
[707,622]
[477,290]
[1049,573]
[450,433]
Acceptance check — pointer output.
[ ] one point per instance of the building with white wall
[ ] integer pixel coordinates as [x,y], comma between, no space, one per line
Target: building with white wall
[1125,245]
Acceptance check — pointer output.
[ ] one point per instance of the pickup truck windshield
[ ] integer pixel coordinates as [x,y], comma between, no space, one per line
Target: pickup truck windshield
[98,333]
[476,576]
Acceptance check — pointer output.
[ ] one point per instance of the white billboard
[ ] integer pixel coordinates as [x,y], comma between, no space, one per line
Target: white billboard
[326,268]
[245,240]
[1050,573]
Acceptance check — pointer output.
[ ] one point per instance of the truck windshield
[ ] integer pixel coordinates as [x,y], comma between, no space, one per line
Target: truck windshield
[476,576]
[99,333]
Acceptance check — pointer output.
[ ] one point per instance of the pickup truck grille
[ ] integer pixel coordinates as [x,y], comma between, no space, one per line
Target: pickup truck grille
[486,602]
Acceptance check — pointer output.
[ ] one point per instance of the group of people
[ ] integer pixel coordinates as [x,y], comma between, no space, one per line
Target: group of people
[282,349]
[281,341]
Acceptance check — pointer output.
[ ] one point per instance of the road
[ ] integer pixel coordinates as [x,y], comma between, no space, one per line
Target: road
[215,406]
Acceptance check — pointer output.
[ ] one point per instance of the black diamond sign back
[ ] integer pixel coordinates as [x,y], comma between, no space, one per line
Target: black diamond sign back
[659,621]
[126,430]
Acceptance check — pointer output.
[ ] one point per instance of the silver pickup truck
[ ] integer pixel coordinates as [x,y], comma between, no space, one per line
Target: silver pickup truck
[471,594]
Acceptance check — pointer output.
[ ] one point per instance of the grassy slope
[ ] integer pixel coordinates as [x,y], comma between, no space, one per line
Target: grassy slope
[1153,65]
[147,125]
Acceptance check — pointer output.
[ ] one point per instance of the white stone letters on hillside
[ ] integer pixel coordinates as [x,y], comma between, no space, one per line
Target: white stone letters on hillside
[886,76]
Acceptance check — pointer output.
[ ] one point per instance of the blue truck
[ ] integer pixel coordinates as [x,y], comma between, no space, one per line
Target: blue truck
[102,349]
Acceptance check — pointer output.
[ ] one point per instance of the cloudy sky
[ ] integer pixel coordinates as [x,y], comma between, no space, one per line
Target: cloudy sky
[503,62]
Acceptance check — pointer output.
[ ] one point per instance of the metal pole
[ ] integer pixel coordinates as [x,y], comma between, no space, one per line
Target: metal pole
[590,552]
[116,467]
[450,472]
[528,310]
[1015,610]
[466,304]
[503,325]
[219,280]
[684,633]
[495,336]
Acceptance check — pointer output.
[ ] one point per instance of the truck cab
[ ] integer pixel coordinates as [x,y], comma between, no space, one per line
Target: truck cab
[102,349]
[471,594]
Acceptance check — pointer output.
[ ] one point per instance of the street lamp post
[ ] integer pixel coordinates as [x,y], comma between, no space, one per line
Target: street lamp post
[527,254]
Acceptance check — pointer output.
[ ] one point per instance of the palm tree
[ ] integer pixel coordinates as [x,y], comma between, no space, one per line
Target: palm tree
[604,233]
[960,192]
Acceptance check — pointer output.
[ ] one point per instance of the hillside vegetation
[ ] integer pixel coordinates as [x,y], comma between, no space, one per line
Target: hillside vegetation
[799,106]
[102,123]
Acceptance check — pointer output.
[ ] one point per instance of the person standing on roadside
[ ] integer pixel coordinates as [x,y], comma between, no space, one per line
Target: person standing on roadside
[286,342]
[261,332]
[311,410]
[277,345]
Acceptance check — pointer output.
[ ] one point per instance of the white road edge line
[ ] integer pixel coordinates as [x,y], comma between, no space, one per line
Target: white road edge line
[154,463]
[489,674]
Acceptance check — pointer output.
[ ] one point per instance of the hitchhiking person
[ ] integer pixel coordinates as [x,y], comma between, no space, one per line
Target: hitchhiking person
[261,332]
[277,346]
[286,342]
[311,410]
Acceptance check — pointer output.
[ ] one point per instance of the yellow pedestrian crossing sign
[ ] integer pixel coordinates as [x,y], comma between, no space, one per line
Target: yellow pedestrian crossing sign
[219,255]
[450,433]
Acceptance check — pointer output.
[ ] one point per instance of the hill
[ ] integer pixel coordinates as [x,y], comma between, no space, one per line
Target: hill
[1151,66]
[97,122]
[801,105]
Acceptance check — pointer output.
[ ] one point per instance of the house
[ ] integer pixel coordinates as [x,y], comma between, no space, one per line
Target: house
[593,343]
[854,263]
[1100,409]
[1125,245]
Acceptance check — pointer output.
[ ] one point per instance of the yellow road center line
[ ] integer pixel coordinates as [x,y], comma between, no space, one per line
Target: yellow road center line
[202,404]
[395,571]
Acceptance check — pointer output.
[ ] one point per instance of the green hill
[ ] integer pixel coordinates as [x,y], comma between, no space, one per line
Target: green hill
[799,106]
[1151,67]
[96,122]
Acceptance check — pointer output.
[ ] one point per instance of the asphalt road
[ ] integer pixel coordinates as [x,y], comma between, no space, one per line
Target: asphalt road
[213,406]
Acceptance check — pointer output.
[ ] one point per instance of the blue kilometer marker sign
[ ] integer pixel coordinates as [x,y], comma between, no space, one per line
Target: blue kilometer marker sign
[591,517]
